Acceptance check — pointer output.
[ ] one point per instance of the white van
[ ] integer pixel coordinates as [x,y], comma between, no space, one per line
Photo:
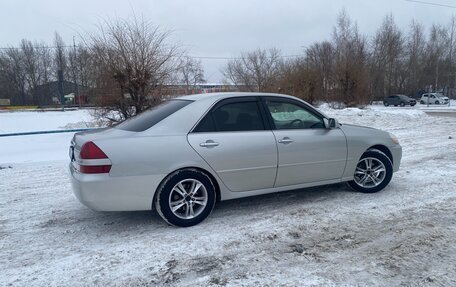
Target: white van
[434,99]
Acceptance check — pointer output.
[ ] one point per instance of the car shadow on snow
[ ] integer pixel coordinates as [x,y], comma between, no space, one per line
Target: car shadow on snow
[283,199]
[122,221]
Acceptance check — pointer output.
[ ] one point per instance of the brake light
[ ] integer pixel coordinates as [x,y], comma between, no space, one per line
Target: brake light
[96,159]
[91,151]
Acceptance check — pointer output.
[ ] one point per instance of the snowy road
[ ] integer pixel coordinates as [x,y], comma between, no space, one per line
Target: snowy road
[319,236]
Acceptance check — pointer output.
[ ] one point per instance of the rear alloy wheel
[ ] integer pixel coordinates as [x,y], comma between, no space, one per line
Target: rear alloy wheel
[402,104]
[373,172]
[386,104]
[437,102]
[185,198]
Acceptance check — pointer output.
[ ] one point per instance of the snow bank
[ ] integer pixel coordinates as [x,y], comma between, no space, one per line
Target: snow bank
[385,118]
[40,121]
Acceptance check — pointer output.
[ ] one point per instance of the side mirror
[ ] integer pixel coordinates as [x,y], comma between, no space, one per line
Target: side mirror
[331,123]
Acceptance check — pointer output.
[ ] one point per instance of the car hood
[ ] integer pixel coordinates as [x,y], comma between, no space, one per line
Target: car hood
[351,126]
[363,131]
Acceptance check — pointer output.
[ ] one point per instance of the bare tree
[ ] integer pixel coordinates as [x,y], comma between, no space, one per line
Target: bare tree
[256,71]
[319,59]
[138,57]
[387,69]
[350,63]
[415,46]
[301,79]
[190,73]
[85,64]
[435,55]
[13,67]
[31,57]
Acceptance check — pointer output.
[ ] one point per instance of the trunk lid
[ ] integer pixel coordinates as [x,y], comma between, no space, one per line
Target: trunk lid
[80,138]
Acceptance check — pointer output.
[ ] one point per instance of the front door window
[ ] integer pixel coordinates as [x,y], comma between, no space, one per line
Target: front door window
[287,115]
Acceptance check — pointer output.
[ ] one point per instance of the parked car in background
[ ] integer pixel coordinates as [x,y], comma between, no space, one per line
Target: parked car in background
[399,100]
[434,99]
[185,154]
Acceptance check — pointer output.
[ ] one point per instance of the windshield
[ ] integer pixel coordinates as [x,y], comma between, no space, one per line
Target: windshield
[149,118]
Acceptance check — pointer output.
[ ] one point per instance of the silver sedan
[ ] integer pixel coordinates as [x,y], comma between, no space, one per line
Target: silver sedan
[184,155]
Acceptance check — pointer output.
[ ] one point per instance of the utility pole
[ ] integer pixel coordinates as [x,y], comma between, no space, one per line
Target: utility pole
[450,92]
[75,73]
[60,87]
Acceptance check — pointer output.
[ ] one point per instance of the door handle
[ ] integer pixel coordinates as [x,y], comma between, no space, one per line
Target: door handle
[285,140]
[209,143]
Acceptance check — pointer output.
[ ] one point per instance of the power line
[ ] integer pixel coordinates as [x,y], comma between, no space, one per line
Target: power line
[431,3]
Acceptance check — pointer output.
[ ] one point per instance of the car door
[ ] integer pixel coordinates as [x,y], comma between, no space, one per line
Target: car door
[308,151]
[396,100]
[391,100]
[235,140]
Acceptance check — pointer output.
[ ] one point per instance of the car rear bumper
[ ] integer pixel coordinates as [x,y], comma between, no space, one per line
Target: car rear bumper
[102,192]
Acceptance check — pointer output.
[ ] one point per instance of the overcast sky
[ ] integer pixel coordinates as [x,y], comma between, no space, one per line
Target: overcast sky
[214,28]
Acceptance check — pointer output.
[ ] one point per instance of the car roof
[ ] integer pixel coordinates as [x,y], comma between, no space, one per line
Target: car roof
[225,95]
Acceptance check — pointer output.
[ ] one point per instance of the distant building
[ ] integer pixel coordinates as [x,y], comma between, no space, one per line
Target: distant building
[203,88]
[48,94]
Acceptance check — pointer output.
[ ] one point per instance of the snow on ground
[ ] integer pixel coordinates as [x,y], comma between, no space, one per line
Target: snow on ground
[327,235]
[35,148]
[29,121]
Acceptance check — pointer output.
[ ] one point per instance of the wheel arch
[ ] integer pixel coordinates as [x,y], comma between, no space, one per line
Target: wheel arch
[383,149]
[210,175]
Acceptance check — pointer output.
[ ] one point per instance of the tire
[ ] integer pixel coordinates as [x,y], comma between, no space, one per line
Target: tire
[376,157]
[412,105]
[402,104]
[170,193]
[386,104]
[437,102]
[422,102]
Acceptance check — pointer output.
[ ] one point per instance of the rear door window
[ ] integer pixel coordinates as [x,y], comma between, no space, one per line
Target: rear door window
[232,116]
[152,116]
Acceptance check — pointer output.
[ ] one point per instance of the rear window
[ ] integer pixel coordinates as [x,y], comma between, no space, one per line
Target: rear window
[149,118]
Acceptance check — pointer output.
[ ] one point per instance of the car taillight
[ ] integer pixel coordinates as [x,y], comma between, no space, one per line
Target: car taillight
[91,151]
[94,160]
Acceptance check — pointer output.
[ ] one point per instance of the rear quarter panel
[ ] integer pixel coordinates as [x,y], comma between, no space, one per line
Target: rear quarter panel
[150,156]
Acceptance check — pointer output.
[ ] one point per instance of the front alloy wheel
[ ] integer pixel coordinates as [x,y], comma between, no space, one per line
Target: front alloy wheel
[370,172]
[373,172]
